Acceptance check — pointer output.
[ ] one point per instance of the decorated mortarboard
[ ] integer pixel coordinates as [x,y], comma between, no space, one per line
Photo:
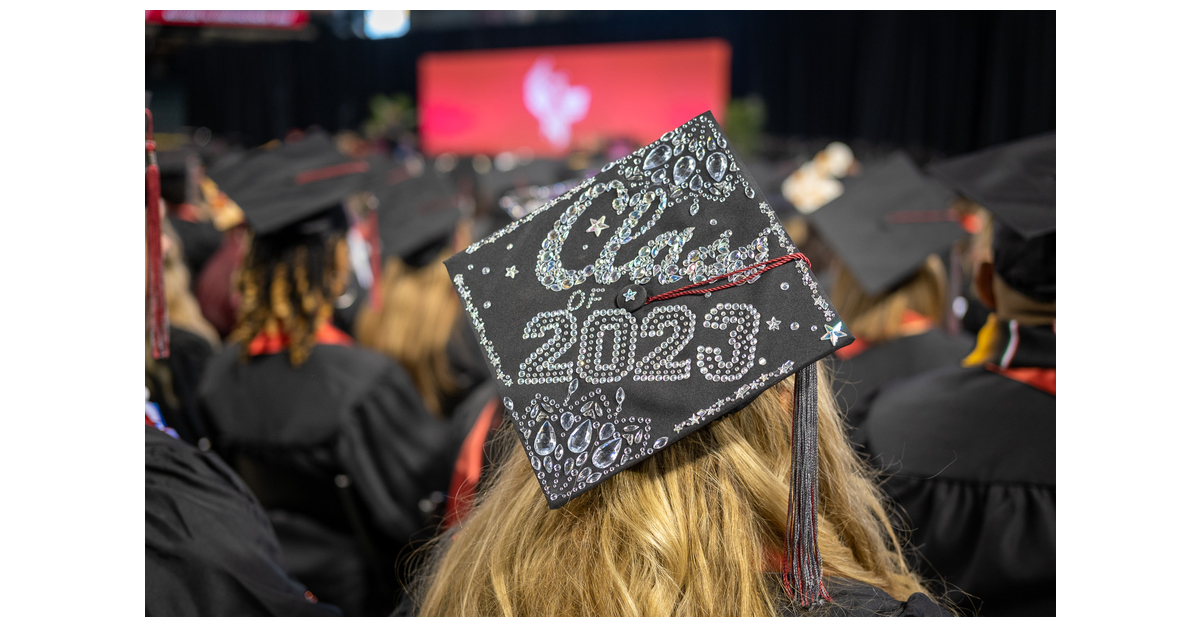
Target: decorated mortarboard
[655,297]
[1016,183]
[417,217]
[887,221]
[281,186]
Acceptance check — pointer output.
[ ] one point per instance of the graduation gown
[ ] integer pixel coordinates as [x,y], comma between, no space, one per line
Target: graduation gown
[180,409]
[210,550]
[341,451]
[970,454]
[858,372]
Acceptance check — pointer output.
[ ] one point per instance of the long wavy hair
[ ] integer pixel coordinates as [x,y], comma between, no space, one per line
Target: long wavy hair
[695,530]
[879,318]
[413,326]
[288,284]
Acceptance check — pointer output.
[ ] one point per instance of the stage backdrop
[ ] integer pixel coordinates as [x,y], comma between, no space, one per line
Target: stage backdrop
[548,100]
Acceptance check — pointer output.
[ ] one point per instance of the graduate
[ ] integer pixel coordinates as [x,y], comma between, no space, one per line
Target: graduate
[673,447]
[888,228]
[333,439]
[970,448]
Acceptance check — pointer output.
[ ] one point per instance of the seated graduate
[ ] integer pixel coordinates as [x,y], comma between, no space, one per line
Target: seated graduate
[971,448]
[648,474]
[210,550]
[333,439]
[418,321]
[887,229]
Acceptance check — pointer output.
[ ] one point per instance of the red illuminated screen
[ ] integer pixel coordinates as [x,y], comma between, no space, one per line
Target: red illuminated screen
[550,100]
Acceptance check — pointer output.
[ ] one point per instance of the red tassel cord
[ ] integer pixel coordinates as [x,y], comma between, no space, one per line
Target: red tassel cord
[750,273]
[156,302]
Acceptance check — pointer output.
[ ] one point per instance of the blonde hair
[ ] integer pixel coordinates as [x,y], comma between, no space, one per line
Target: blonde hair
[183,310]
[879,318]
[694,530]
[418,313]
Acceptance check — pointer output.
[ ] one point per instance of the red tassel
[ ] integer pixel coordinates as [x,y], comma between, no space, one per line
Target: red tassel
[156,302]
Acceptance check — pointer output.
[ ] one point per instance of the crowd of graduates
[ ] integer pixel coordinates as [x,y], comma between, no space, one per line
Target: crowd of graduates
[323,417]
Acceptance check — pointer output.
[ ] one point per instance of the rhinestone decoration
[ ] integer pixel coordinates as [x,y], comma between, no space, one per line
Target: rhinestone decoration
[742,319]
[598,356]
[795,325]
[833,333]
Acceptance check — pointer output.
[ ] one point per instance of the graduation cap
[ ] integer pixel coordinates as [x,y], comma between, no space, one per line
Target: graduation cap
[417,216]
[887,221]
[1015,182]
[282,186]
[652,299]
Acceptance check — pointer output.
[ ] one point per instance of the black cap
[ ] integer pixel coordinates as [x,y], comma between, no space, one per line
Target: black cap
[600,359]
[1016,183]
[537,172]
[417,216]
[887,221]
[280,186]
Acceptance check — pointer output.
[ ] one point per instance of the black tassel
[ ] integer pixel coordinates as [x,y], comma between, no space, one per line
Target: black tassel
[802,574]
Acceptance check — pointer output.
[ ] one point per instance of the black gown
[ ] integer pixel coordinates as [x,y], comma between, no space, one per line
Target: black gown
[340,451]
[970,454]
[855,378]
[189,356]
[210,550]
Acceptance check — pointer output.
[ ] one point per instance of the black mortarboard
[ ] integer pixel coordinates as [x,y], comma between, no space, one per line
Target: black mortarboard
[278,187]
[887,221]
[417,217]
[1015,182]
[652,299]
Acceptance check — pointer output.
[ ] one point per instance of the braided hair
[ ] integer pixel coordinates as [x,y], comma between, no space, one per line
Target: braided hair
[289,281]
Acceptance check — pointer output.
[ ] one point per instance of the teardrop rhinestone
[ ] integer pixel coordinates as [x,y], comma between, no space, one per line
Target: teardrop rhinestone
[749,192]
[581,460]
[695,183]
[548,409]
[620,395]
[684,169]
[566,420]
[508,403]
[607,431]
[587,408]
[657,157]
[547,463]
[569,465]
[544,441]
[574,386]
[595,477]
[558,452]
[710,144]
[716,165]
[661,442]
[630,428]
[580,438]
[659,177]
[536,463]
[607,453]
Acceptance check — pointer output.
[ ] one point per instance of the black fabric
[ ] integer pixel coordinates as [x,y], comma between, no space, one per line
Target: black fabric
[468,366]
[1026,265]
[857,377]
[210,550]
[850,598]
[951,81]
[888,220]
[200,240]
[278,186]
[417,217]
[545,298]
[189,356]
[343,447]
[970,456]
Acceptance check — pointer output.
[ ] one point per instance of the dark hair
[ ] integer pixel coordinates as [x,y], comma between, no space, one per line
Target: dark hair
[291,277]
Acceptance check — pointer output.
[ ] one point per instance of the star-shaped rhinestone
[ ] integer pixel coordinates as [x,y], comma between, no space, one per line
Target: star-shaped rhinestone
[832,333]
[511,272]
[773,324]
[629,294]
[598,225]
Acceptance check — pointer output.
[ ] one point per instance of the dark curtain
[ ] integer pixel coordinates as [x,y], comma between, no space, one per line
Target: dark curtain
[945,82]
